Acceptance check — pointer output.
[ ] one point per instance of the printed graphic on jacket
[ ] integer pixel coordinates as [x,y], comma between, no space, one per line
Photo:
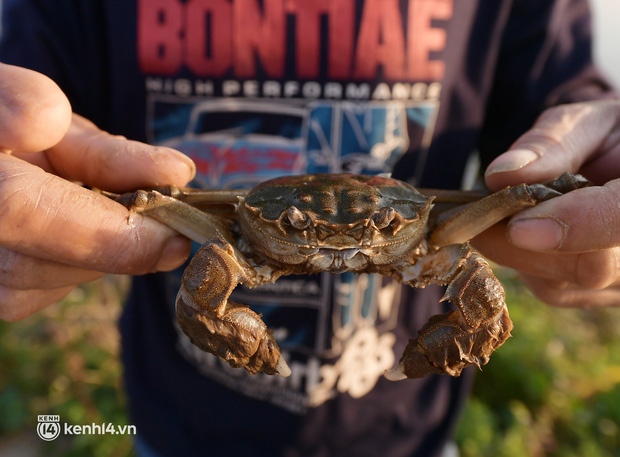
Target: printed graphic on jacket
[252,90]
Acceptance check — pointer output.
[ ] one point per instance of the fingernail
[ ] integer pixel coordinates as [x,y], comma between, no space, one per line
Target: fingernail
[544,234]
[178,155]
[189,162]
[511,160]
[174,254]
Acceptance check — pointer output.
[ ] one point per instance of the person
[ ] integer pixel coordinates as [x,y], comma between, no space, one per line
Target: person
[250,90]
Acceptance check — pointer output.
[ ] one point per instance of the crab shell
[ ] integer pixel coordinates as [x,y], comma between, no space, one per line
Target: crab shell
[333,222]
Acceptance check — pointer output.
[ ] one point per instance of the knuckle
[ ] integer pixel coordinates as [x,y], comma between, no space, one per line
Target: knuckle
[558,299]
[551,292]
[553,296]
[16,305]
[9,314]
[132,257]
[21,272]
[46,107]
[10,305]
[21,189]
[10,272]
[597,270]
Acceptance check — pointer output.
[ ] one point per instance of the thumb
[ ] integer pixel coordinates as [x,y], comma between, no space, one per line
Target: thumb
[580,221]
[562,140]
[34,112]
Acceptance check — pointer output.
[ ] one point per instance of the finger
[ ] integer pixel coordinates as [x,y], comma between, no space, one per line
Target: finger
[562,139]
[590,270]
[36,158]
[34,112]
[45,216]
[566,296]
[583,220]
[23,272]
[110,162]
[18,304]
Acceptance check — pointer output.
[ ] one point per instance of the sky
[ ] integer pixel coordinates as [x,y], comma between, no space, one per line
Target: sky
[606,21]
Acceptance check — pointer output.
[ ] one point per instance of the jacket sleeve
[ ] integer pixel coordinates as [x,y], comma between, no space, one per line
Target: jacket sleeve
[545,60]
[63,39]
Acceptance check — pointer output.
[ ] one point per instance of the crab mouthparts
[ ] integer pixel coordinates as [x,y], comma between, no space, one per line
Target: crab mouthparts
[338,260]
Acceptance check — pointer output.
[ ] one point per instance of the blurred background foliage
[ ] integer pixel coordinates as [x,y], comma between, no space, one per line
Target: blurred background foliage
[551,390]
[65,360]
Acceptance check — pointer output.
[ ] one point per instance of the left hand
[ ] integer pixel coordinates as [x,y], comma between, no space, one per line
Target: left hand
[54,234]
[567,249]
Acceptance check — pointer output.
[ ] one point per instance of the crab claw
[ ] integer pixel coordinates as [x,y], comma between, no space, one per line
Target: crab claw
[468,336]
[238,336]
[219,326]
[446,348]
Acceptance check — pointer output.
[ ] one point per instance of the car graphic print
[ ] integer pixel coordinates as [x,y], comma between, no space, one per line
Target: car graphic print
[237,143]
[240,142]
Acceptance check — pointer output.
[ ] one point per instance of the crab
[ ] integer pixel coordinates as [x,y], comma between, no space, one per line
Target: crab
[341,223]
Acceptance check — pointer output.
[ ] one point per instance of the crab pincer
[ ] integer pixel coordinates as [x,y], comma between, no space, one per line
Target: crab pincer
[224,328]
[467,336]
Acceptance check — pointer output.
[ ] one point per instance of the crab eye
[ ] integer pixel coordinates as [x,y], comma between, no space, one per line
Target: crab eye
[383,217]
[297,219]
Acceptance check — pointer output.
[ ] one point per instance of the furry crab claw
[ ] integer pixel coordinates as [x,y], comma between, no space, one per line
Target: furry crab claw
[217,325]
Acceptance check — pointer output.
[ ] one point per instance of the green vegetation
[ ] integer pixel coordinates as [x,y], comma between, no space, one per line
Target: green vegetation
[64,361]
[551,390]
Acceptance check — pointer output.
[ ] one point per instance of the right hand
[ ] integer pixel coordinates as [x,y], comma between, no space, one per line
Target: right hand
[567,249]
[55,234]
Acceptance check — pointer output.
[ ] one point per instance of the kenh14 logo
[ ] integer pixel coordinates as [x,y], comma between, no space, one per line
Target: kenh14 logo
[48,427]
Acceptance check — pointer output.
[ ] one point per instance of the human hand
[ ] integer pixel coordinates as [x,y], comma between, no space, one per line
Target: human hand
[568,248]
[55,234]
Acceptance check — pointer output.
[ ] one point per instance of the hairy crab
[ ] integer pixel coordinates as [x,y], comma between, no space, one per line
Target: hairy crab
[338,223]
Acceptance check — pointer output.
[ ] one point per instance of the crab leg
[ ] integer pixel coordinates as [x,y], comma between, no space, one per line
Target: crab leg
[185,219]
[466,222]
[449,342]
